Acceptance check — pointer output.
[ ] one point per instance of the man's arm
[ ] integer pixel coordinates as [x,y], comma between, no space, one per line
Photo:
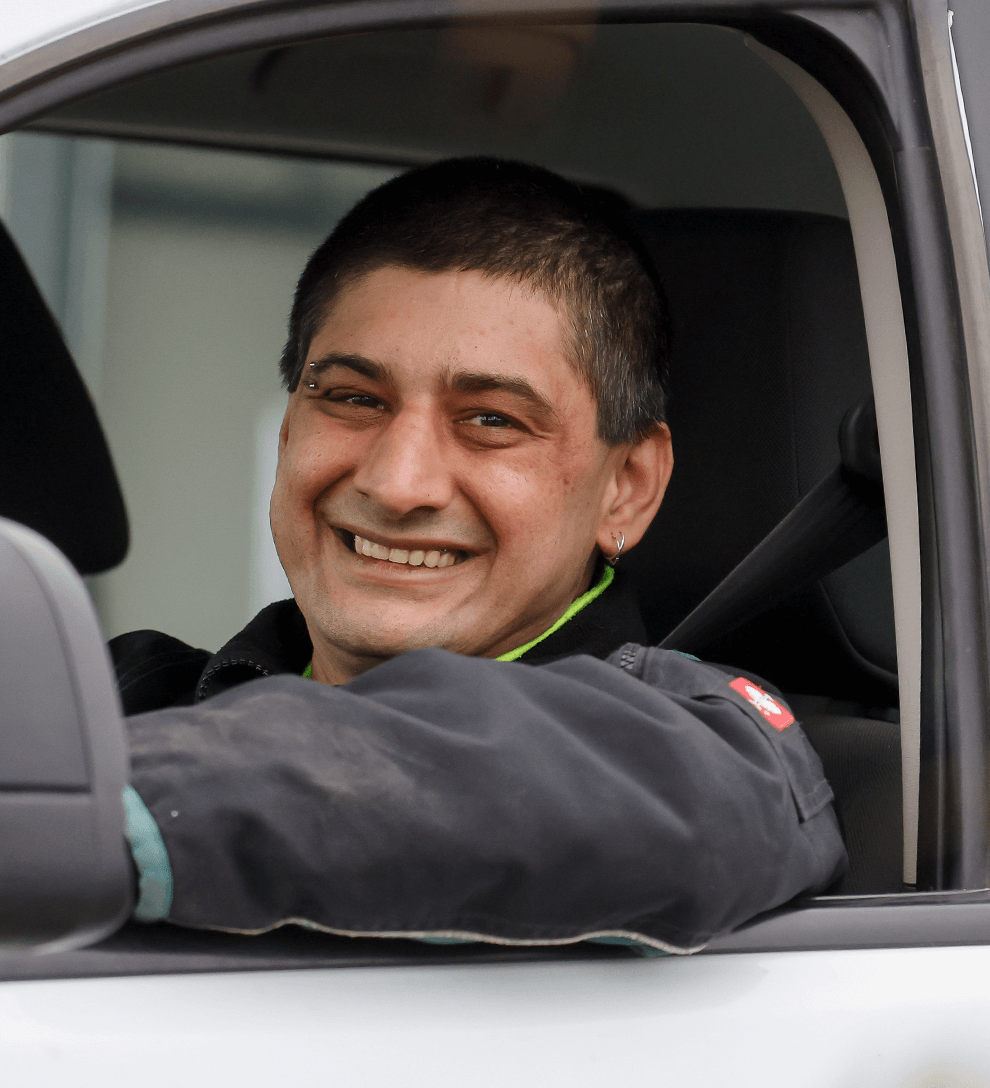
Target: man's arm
[442,795]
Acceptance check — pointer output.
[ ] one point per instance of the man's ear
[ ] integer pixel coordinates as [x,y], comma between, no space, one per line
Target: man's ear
[642,471]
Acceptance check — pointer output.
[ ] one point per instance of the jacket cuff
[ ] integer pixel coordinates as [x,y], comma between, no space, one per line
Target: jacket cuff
[151,859]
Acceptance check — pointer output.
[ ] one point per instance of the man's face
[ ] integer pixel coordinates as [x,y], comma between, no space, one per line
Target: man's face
[440,425]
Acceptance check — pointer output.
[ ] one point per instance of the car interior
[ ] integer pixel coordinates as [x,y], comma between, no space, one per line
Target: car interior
[734,194]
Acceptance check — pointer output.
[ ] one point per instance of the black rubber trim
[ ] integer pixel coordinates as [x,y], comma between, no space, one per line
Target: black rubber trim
[170,950]
[905,920]
[82,63]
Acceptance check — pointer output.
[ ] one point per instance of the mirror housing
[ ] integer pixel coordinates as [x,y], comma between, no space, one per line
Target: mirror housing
[66,877]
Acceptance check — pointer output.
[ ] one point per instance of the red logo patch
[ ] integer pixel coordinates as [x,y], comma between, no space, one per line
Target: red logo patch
[778,716]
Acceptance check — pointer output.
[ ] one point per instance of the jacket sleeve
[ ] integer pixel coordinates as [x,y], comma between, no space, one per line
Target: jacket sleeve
[446,796]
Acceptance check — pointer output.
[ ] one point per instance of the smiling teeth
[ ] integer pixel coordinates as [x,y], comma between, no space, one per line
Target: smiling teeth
[401,555]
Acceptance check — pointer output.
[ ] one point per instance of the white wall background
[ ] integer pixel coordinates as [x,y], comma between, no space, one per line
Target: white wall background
[171,271]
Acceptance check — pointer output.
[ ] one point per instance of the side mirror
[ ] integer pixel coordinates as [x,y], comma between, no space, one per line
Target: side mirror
[65,873]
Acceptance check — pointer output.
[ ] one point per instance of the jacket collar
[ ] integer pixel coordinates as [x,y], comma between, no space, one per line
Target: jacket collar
[277,640]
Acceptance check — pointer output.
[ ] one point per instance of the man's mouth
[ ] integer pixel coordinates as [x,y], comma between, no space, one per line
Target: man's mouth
[423,556]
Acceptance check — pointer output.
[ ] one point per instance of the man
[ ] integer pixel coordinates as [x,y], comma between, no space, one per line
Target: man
[474,436]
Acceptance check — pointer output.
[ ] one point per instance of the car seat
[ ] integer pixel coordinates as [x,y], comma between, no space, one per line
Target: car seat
[58,477]
[769,354]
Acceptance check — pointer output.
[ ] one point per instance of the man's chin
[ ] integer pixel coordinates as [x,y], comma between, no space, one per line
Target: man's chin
[352,647]
[390,645]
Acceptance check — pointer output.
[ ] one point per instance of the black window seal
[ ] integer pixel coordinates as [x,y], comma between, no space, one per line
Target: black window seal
[924,919]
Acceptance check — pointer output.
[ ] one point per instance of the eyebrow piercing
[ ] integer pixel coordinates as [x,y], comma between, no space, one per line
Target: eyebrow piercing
[618,551]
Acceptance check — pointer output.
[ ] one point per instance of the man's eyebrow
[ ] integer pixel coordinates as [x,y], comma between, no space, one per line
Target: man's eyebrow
[464,382]
[376,372]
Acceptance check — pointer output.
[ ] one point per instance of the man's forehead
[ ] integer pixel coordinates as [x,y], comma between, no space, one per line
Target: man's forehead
[461,330]
[456,302]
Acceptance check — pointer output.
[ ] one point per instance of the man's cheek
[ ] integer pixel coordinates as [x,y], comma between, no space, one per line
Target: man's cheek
[292,526]
[523,492]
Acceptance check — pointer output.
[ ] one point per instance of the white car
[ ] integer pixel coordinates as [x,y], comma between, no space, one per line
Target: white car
[807,177]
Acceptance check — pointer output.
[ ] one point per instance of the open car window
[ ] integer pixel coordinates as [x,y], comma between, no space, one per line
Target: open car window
[172,266]
[167,219]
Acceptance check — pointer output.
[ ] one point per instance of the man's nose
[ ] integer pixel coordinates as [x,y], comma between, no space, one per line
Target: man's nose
[405,468]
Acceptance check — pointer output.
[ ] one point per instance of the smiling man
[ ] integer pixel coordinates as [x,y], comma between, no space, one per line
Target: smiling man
[449,472]
[474,434]
[441,481]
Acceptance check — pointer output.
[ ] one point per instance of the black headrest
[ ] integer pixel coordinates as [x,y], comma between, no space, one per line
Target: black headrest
[57,476]
[769,353]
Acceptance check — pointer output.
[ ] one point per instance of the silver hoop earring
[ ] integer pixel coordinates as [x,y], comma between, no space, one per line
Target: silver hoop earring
[621,542]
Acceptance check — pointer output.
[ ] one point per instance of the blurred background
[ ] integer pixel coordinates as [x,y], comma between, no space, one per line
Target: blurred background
[166,221]
[171,271]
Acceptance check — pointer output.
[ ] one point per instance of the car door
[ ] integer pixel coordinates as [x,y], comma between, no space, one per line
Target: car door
[883,988]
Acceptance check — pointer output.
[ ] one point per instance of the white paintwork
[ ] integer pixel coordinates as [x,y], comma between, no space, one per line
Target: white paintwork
[914,1018]
[887,343]
[26,25]
[962,113]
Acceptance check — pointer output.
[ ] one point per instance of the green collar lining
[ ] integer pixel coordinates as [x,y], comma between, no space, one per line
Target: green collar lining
[582,602]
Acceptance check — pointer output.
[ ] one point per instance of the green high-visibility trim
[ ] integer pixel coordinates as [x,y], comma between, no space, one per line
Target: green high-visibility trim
[582,602]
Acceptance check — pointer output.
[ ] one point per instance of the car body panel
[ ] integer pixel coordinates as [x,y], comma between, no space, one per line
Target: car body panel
[27,26]
[879,1018]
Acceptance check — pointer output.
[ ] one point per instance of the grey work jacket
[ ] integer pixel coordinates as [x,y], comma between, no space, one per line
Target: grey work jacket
[647,797]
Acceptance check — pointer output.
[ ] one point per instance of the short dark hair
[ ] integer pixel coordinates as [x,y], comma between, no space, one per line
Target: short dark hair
[509,219]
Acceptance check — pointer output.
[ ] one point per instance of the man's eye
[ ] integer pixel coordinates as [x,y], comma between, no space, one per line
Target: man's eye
[489,419]
[361,400]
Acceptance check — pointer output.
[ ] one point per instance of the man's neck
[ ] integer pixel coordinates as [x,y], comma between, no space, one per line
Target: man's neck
[335,665]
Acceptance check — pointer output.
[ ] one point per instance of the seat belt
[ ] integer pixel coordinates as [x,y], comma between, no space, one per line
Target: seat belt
[839,519]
